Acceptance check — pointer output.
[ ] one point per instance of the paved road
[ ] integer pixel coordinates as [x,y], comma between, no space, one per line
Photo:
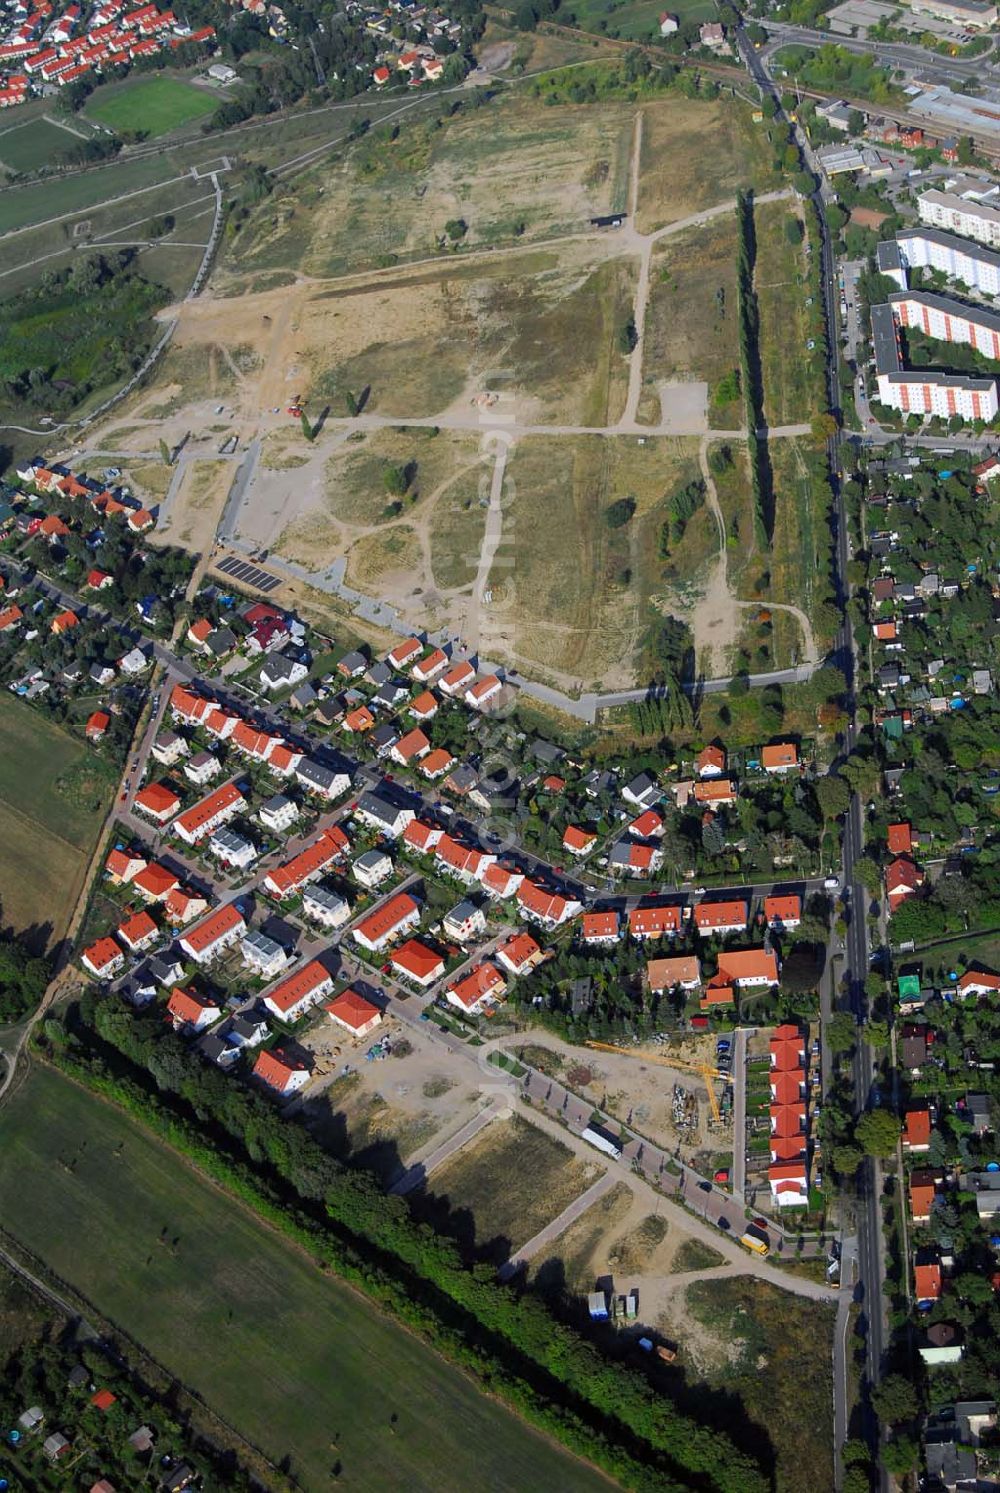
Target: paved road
[552,1230]
[738,1178]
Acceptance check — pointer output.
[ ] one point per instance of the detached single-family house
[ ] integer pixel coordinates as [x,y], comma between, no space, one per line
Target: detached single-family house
[416,962]
[396,917]
[520,954]
[190,1012]
[103,958]
[482,987]
[214,934]
[354,1013]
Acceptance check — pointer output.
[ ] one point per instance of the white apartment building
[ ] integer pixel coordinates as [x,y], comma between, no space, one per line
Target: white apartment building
[959,215]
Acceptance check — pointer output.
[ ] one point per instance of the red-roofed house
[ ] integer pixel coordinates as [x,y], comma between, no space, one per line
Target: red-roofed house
[122,866]
[209,813]
[427,668]
[138,932]
[500,882]
[328,847]
[280,1072]
[10,617]
[667,974]
[480,988]
[578,841]
[456,679]
[783,912]
[404,653]
[788,1049]
[655,922]
[927,1283]
[520,954]
[180,906]
[99,580]
[293,996]
[191,1012]
[484,692]
[97,726]
[789,1186]
[902,878]
[155,882]
[353,1012]
[782,757]
[710,762]
[979,982]
[923,1190]
[425,707]
[422,837]
[157,802]
[648,826]
[198,632]
[463,862]
[436,764]
[388,922]
[410,748]
[917,1130]
[548,909]
[899,839]
[715,791]
[720,917]
[600,928]
[357,722]
[64,622]
[418,963]
[216,933]
[104,958]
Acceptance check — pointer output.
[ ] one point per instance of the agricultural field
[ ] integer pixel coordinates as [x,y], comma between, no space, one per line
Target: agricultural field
[49,819]
[244,1318]
[692,328]
[498,1191]
[572,583]
[787,369]
[772,1350]
[151,106]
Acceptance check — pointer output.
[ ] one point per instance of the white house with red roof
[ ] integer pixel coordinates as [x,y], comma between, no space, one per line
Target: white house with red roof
[354,1012]
[720,917]
[103,958]
[480,989]
[600,928]
[520,954]
[281,1072]
[214,934]
[293,996]
[547,908]
[417,963]
[903,877]
[190,1011]
[484,692]
[783,912]
[396,917]
[979,982]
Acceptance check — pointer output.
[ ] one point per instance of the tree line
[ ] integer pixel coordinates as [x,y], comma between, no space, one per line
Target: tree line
[750,376]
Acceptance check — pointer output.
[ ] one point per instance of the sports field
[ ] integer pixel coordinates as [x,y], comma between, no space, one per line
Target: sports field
[54,793]
[154,106]
[305,1368]
[28,146]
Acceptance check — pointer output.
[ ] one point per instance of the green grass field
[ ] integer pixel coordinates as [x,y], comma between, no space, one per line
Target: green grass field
[634,20]
[302,1365]
[154,105]
[50,815]
[29,146]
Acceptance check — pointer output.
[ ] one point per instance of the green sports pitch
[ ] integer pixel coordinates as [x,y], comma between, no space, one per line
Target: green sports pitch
[154,106]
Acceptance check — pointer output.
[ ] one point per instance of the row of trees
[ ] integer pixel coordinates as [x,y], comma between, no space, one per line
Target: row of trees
[750,378]
[599,1407]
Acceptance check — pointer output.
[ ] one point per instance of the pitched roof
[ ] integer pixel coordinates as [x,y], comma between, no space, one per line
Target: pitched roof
[102,953]
[352,1009]
[902,876]
[683,969]
[482,981]
[413,744]
[155,880]
[741,965]
[542,903]
[599,925]
[720,914]
[787,909]
[416,959]
[578,839]
[188,1005]
[387,917]
[221,921]
[136,928]
[711,758]
[927,1282]
[298,986]
[917,1127]
[275,1068]
[199,814]
[157,798]
[782,754]
[436,762]
[519,950]
[714,790]
[654,920]
[899,839]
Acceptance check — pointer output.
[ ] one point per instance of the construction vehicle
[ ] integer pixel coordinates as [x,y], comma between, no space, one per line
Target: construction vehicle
[708,1073]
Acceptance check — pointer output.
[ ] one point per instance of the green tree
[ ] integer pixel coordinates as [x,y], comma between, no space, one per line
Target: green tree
[894,1400]
[840,1033]
[456,228]
[846,1160]
[877,1132]
[833,796]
